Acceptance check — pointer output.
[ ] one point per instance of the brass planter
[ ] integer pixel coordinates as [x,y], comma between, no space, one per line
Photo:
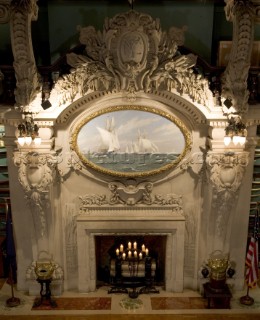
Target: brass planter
[44,270]
[218,264]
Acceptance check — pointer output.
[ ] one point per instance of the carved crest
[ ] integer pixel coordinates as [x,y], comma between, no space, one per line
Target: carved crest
[131,54]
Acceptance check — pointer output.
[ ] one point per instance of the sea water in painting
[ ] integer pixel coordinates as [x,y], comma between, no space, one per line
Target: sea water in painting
[130,141]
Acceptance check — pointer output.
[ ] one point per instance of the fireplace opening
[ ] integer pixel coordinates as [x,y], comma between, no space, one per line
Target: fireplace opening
[106,246]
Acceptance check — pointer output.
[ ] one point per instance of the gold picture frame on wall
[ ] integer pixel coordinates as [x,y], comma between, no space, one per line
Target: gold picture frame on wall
[131,141]
[224,50]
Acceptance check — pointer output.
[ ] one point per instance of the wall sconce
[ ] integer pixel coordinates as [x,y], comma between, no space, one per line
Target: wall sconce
[235,132]
[28,131]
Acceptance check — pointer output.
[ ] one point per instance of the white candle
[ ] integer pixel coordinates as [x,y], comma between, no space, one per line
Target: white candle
[146,252]
[117,252]
[129,254]
[135,254]
[135,245]
[143,248]
[121,248]
[140,256]
[129,245]
[123,256]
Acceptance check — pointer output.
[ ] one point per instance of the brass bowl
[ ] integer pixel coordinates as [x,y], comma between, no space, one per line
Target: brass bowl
[44,270]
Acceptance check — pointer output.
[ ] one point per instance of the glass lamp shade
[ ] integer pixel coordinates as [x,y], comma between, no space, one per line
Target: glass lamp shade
[21,141]
[242,140]
[28,140]
[236,140]
[227,140]
[37,141]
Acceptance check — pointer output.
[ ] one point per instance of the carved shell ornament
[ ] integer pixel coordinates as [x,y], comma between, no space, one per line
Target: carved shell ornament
[131,54]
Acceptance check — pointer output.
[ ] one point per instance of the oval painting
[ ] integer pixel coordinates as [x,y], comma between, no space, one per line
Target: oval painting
[131,141]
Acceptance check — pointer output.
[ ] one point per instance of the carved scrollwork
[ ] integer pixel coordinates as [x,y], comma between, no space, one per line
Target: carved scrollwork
[27,77]
[131,54]
[225,173]
[132,194]
[36,173]
[234,81]
[227,170]
[74,161]
[4,11]
[93,199]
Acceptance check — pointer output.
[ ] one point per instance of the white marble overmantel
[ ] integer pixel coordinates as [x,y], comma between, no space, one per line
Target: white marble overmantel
[214,180]
[143,221]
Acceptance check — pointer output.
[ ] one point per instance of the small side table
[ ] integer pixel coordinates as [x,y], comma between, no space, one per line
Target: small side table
[218,299]
[45,293]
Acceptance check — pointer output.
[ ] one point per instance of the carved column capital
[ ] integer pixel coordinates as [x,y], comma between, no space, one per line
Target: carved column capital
[234,81]
[226,170]
[27,79]
[36,174]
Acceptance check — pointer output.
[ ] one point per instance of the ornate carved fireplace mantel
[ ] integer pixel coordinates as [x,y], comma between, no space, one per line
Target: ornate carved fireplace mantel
[103,216]
[131,221]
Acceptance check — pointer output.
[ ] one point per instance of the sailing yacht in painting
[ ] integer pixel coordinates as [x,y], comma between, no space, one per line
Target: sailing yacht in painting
[130,142]
[109,138]
[145,145]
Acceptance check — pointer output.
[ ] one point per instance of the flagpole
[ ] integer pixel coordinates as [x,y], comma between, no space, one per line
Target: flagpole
[252,261]
[247,300]
[13,301]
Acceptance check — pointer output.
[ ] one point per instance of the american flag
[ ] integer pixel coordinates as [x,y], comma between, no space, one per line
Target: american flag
[252,255]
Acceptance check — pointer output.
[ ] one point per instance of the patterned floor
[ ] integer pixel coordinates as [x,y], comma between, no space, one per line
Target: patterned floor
[101,305]
[72,303]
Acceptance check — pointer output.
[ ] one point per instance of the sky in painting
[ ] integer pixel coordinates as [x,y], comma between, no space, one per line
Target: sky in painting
[165,134]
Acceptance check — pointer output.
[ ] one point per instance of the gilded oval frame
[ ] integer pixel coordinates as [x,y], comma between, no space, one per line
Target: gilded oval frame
[129,164]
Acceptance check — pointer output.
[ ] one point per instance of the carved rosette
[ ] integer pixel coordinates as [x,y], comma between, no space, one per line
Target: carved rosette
[234,81]
[27,78]
[225,172]
[36,174]
[131,54]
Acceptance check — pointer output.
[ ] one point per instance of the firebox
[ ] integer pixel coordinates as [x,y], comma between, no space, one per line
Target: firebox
[101,230]
[107,246]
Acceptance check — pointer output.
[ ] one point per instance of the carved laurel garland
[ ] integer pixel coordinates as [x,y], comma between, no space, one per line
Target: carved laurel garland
[234,81]
[225,173]
[36,173]
[131,54]
[27,79]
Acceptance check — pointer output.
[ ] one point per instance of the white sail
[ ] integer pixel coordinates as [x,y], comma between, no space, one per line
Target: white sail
[145,145]
[109,139]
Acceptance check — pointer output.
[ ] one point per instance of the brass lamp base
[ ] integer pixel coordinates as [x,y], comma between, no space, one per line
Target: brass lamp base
[13,302]
[247,300]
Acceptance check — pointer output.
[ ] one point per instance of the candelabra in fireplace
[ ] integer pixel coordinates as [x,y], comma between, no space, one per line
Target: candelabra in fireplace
[132,267]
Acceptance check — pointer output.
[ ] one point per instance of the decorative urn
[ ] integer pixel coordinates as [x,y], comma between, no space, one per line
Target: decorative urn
[218,264]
